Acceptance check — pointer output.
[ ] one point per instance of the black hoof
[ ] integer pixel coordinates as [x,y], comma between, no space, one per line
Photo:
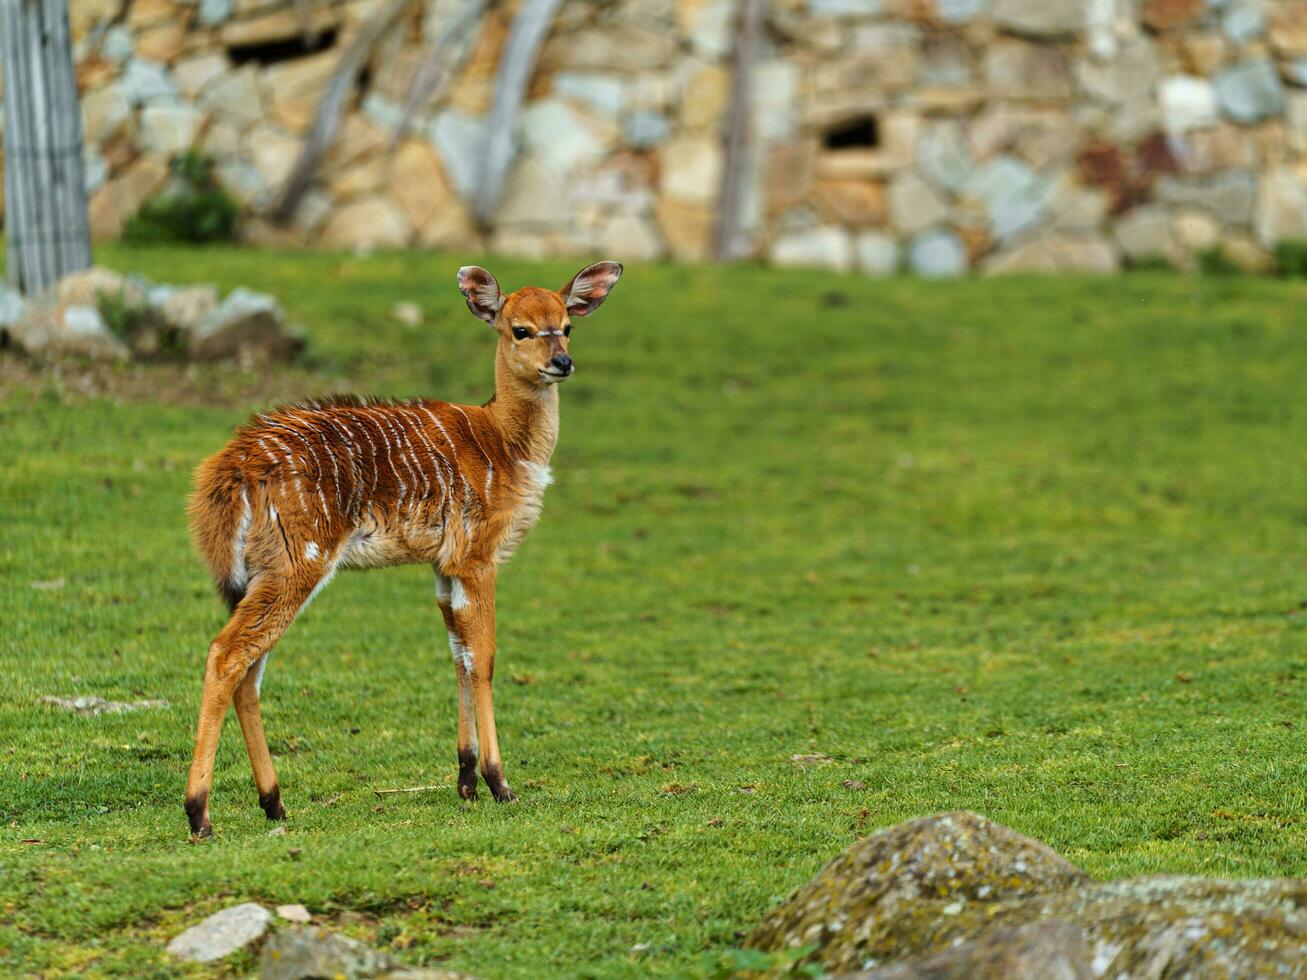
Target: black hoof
[467,775]
[197,816]
[498,785]
[271,803]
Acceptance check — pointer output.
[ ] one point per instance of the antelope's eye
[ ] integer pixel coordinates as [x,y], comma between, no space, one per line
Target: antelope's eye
[519,333]
[567,330]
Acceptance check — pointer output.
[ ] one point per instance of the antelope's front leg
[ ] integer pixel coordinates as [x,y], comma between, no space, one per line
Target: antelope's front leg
[472,602]
[467,722]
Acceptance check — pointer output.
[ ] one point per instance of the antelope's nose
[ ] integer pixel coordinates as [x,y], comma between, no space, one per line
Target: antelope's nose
[561,363]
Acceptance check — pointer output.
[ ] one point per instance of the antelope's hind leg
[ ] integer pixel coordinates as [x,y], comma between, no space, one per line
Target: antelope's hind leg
[256,742]
[260,620]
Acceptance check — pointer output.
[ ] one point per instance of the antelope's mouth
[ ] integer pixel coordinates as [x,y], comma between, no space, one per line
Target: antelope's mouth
[554,377]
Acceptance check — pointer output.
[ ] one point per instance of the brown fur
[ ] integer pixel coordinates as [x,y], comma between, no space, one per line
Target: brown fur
[344,482]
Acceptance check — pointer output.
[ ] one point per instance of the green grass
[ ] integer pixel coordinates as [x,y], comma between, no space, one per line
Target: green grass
[1030,547]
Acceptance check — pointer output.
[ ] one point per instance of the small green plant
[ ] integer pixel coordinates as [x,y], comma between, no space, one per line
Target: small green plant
[139,325]
[192,208]
[1213,262]
[1291,258]
[1150,263]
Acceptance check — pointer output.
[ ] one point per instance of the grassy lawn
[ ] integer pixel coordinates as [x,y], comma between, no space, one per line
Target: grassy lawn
[1033,548]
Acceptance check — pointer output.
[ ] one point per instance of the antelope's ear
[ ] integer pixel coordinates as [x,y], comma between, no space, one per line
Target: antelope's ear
[590,287]
[481,290]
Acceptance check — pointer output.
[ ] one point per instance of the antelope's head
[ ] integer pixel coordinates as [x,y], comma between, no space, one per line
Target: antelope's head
[534,324]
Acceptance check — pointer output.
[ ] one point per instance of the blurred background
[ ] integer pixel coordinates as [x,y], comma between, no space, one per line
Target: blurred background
[829,547]
[939,136]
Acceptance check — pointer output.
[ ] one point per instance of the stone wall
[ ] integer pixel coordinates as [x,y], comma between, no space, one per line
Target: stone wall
[939,135]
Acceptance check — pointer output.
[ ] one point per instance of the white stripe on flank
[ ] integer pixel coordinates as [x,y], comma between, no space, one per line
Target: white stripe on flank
[311,551]
[240,575]
[490,477]
[431,448]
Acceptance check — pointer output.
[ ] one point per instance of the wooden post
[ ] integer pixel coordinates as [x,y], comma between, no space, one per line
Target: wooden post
[48,234]
[726,244]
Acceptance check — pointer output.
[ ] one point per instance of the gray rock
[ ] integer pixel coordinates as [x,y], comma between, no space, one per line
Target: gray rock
[1145,233]
[169,129]
[944,155]
[960,11]
[1052,950]
[12,305]
[310,954]
[844,8]
[48,328]
[104,112]
[557,136]
[644,128]
[245,320]
[95,169]
[930,887]
[877,253]
[1081,253]
[235,97]
[533,197]
[1231,196]
[89,704]
[243,181]
[184,307]
[711,27]
[386,113]
[214,12]
[937,254]
[1129,78]
[146,82]
[459,139]
[1281,208]
[117,45]
[827,247]
[914,205]
[1040,18]
[1243,21]
[222,933]
[603,93]
[1187,103]
[1250,92]
[1013,196]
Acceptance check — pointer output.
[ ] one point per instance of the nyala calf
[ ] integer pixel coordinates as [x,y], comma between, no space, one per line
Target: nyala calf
[304,491]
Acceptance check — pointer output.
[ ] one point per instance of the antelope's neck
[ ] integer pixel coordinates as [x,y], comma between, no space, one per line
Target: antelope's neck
[526,415]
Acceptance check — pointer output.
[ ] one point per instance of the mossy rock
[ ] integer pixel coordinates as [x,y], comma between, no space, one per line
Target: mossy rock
[948,882]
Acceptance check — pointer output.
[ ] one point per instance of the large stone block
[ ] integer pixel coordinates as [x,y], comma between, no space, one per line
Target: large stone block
[1250,92]
[1231,197]
[692,169]
[1288,27]
[955,895]
[938,254]
[169,129]
[828,247]
[1021,70]
[1040,18]
[1281,207]
[120,198]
